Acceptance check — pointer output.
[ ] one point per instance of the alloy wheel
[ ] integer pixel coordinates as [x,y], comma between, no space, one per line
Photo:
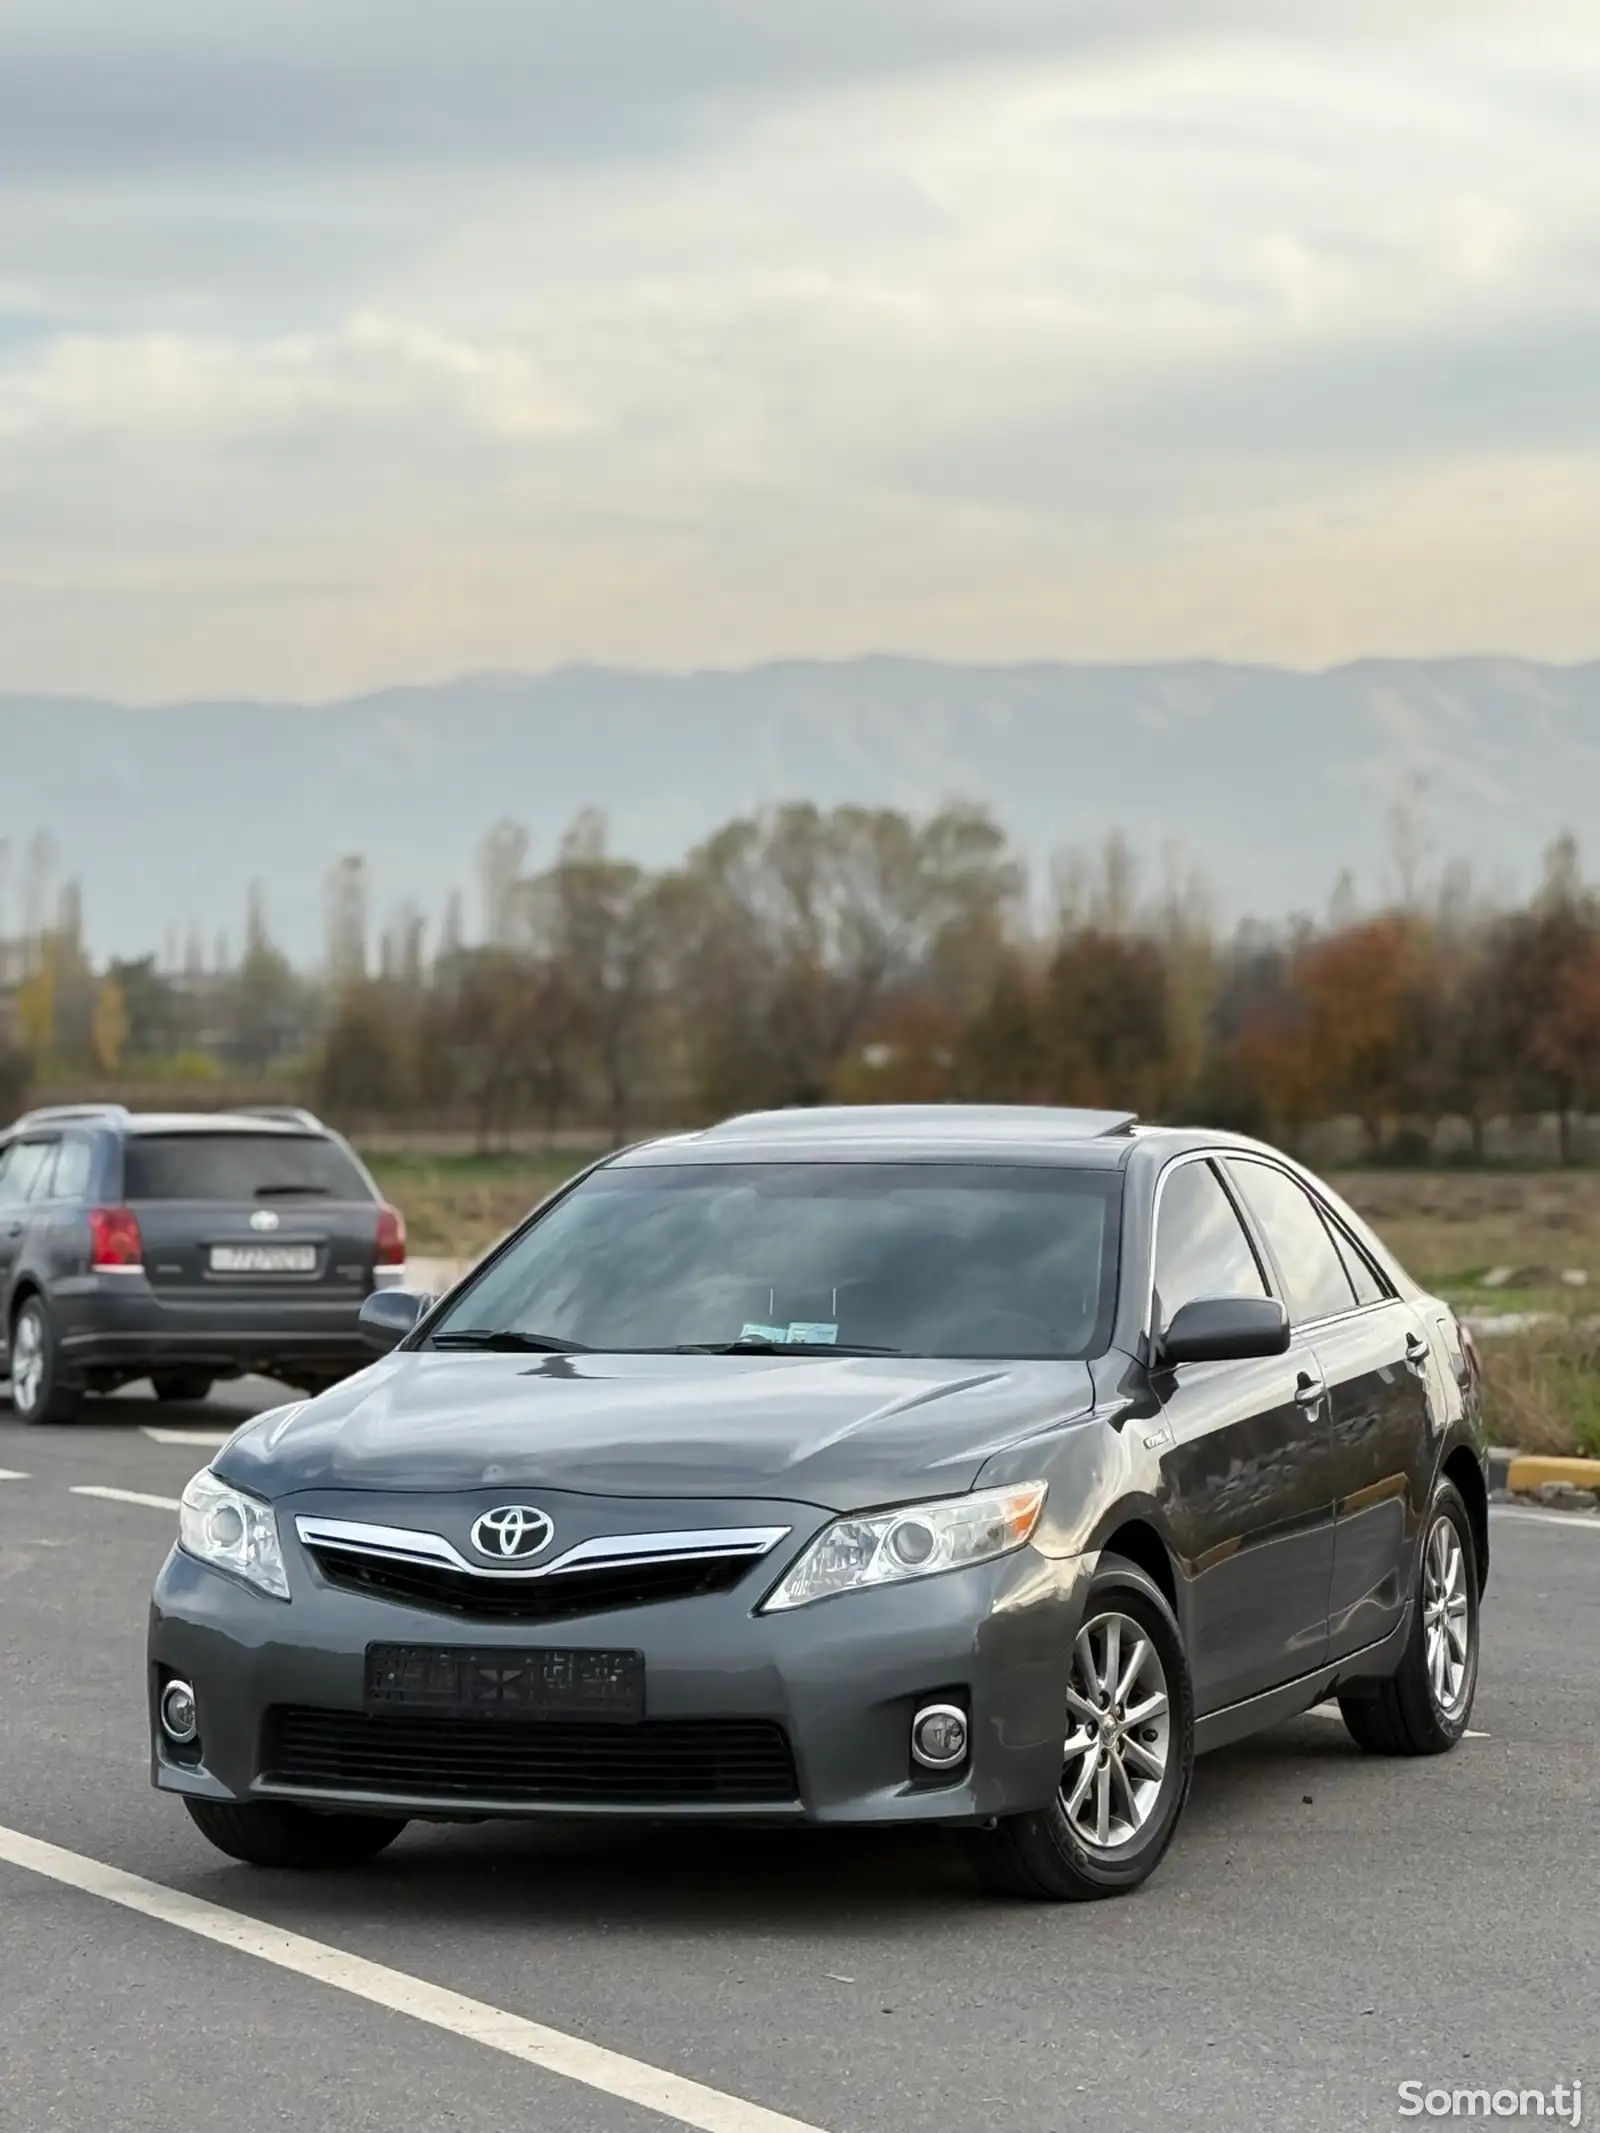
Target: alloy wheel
[1120,1730]
[27,1361]
[1446,1617]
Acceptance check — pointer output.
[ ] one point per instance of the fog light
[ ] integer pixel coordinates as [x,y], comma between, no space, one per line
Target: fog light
[939,1736]
[180,1721]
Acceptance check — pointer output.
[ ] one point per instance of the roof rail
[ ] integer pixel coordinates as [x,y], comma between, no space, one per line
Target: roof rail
[56,1114]
[285,1114]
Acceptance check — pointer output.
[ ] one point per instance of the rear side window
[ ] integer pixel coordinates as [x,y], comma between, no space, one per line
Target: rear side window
[73,1163]
[238,1166]
[1369,1289]
[1201,1246]
[1313,1272]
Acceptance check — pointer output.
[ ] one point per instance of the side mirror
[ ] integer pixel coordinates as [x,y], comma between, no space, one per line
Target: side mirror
[388,1315]
[1224,1329]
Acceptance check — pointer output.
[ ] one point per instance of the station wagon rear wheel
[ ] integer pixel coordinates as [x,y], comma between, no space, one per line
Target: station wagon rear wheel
[1127,1754]
[38,1394]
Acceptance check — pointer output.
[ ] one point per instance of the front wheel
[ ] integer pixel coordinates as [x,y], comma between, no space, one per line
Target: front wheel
[1424,1708]
[276,1833]
[1127,1755]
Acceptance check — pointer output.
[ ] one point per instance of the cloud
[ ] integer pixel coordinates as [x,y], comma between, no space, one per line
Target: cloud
[341,341]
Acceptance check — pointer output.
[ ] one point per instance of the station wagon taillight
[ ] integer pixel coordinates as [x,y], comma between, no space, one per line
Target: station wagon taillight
[115,1245]
[389,1246]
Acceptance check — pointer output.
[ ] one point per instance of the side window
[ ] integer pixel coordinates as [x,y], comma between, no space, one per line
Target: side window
[21,1173]
[1201,1245]
[1313,1272]
[1369,1289]
[73,1163]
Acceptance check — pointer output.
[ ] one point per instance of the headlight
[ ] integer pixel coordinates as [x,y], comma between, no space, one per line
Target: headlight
[217,1525]
[888,1547]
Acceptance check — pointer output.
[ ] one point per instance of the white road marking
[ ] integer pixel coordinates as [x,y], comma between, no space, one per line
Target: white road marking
[8,1474]
[673,2096]
[151,1503]
[213,1437]
[1573,1521]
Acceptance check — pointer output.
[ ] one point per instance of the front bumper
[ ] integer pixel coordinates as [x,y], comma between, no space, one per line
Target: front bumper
[842,1678]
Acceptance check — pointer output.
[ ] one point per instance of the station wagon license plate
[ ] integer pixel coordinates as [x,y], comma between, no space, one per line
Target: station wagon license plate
[263,1259]
[503,1684]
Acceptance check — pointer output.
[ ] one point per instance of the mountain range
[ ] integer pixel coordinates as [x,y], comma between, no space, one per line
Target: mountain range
[1271,782]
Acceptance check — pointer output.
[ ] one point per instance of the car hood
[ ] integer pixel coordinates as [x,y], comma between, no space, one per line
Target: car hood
[840,1432]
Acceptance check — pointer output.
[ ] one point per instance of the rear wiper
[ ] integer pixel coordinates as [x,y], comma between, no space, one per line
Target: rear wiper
[758,1344]
[508,1342]
[277,1192]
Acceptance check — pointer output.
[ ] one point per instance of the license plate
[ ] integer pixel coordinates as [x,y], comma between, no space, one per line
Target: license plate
[263,1259]
[501,1684]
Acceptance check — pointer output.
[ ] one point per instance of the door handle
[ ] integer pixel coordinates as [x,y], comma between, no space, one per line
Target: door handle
[1308,1391]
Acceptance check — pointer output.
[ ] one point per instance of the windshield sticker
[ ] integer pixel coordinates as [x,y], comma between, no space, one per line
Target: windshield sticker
[801,1333]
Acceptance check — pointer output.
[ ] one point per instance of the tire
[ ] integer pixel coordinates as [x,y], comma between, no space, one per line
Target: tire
[39,1394]
[1046,1855]
[274,1833]
[181,1386]
[1424,1707]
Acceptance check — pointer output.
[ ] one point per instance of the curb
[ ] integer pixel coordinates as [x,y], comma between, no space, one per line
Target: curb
[1526,1475]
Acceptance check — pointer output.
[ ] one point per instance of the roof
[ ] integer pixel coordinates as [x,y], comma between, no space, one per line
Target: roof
[1026,1133]
[276,1121]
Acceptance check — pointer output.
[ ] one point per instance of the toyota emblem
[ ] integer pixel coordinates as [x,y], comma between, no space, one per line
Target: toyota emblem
[511,1532]
[264,1218]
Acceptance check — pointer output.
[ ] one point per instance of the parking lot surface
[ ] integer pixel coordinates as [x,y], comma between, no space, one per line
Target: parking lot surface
[1325,1927]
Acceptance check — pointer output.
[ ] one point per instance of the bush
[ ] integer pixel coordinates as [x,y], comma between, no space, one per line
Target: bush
[1542,1389]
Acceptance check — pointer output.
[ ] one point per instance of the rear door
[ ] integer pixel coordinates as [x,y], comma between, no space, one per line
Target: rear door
[1381,1423]
[1378,1423]
[258,1214]
[1250,1515]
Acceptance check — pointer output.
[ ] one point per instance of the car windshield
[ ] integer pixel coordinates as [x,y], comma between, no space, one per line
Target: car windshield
[931,1259]
[238,1166]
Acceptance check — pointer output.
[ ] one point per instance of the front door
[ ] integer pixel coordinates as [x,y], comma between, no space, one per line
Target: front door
[1250,1515]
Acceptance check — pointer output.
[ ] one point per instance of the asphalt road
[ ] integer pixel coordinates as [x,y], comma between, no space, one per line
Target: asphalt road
[1325,1927]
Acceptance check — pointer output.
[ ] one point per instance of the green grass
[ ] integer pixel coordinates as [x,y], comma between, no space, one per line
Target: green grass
[1542,1390]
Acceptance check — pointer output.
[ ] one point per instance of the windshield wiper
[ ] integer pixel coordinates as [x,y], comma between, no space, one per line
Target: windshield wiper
[757,1344]
[276,1192]
[508,1342]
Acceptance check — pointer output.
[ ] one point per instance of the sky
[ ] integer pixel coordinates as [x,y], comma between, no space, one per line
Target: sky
[345,342]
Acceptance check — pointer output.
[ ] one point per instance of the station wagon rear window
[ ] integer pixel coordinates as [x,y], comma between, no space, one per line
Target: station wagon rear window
[238,1166]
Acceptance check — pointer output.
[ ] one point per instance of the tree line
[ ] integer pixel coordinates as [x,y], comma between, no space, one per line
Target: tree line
[849,954]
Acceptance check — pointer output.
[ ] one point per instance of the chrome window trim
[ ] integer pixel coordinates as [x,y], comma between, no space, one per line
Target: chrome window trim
[405,1544]
[1221,1157]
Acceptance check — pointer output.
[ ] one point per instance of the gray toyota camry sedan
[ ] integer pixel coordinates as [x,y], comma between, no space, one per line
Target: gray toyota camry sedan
[949,1465]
